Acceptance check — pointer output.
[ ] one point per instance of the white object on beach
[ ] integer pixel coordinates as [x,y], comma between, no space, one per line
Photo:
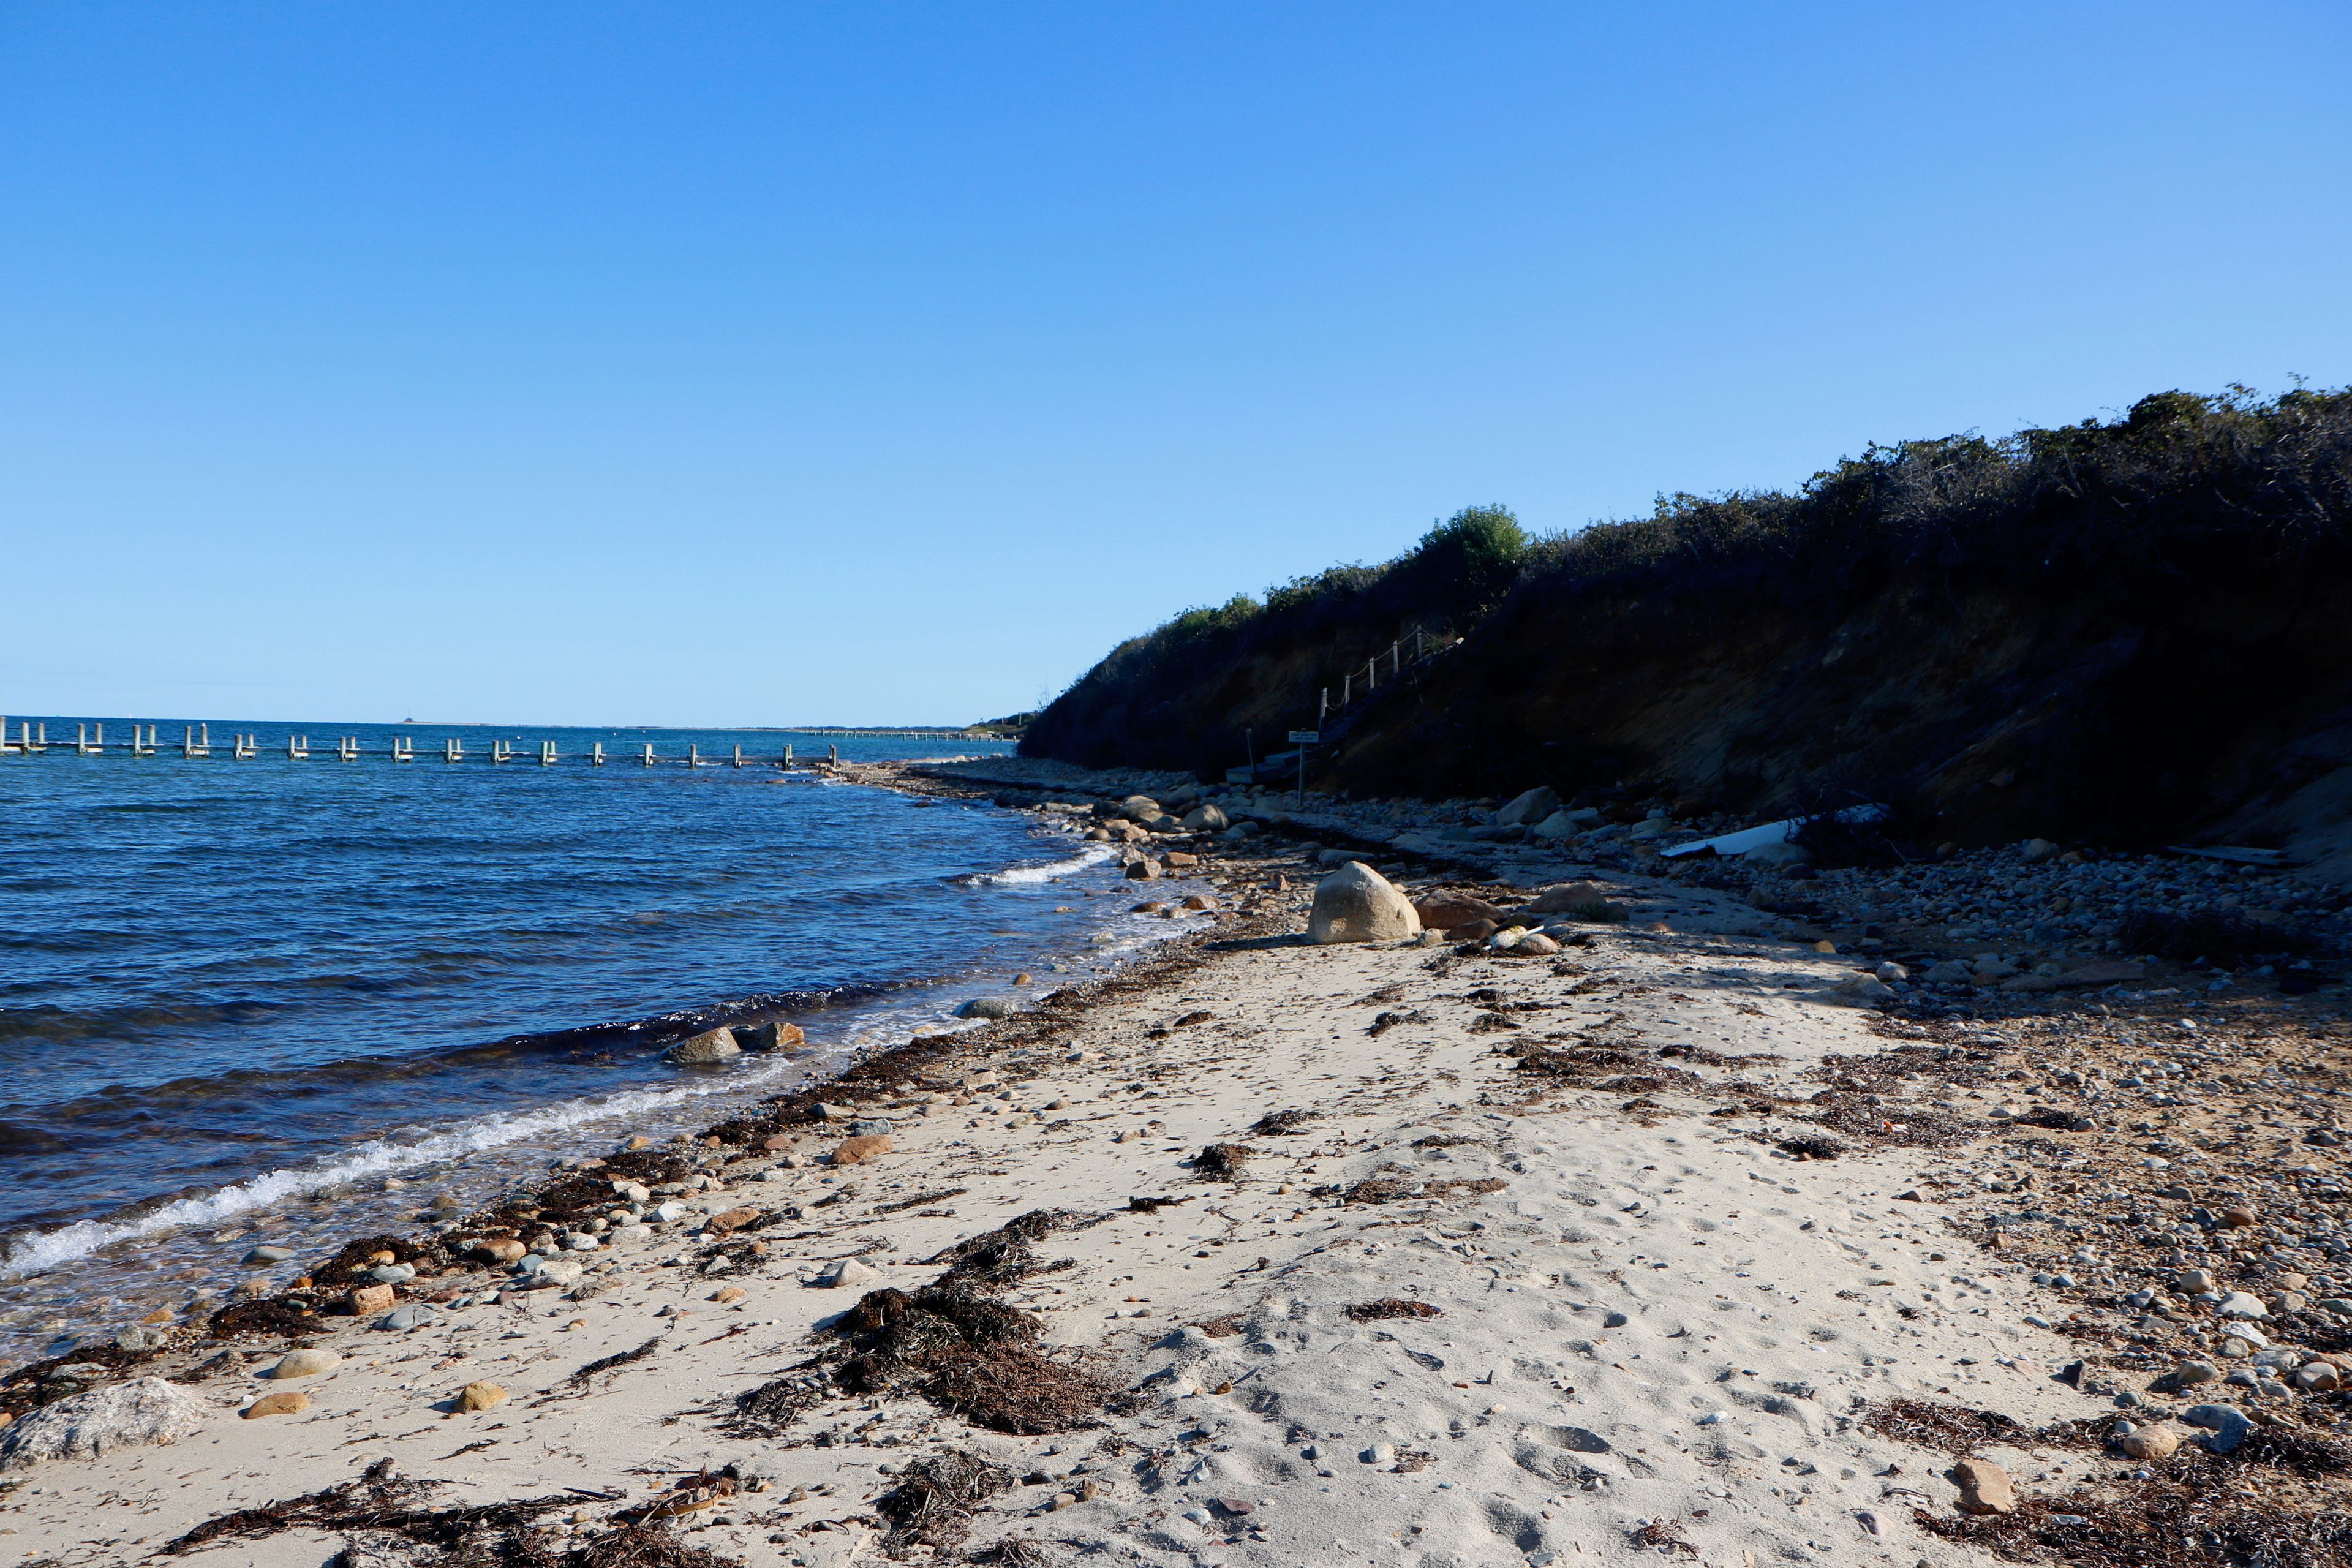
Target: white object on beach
[1355,903]
[1749,838]
[127,1415]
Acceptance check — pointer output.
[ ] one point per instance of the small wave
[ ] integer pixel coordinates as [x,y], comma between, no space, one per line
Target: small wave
[1052,871]
[52,1249]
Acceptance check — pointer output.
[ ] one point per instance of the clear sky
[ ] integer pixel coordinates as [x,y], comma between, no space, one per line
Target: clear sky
[868,362]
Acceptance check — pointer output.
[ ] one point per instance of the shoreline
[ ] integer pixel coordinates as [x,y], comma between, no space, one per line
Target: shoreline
[171,1244]
[1643,1188]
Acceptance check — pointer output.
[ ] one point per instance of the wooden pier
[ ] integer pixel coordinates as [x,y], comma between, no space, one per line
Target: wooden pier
[31,739]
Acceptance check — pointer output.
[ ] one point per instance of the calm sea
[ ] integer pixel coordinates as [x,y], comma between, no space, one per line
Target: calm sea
[237,996]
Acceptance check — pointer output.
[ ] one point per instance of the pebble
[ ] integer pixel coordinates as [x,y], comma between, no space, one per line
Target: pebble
[480,1396]
[2147,1442]
[1985,1487]
[2227,1424]
[2190,1373]
[306,1364]
[2237,1304]
[261,1256]
[848,1274]
[285,1401]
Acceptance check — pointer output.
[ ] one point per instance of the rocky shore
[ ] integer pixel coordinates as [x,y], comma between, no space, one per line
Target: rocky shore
[1571,1203]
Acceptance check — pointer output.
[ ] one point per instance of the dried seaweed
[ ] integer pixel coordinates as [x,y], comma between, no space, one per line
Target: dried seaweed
[1007,1255]
[1392,1307]
[1221,1161]
[1949,1428]
[934,1501]
[277,1317]
[2194,1510]
[383,1503]
[606,1363]
[1812,1148]
[1283,1124]
[1396,1189]
[961,1350]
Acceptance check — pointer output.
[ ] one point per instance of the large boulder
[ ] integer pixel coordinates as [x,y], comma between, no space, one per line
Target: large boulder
[1355,903]
[1139,807]
[1210,818]
[1529,809]
[710,1045]
[144,1411]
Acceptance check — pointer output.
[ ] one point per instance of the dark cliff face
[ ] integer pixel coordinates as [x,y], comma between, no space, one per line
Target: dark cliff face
[2125,632]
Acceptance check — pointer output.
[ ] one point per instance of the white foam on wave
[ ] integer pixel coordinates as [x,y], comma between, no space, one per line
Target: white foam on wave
[38,1254]
[1052,871]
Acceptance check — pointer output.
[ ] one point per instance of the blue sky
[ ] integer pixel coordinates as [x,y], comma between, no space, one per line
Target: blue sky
[888,362]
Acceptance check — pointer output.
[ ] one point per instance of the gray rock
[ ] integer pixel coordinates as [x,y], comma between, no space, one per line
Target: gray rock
[308,1362]
[1207,819]
[2227,1424]
[137,1414]
[1528,808]
[710,1045]
[401,1320]
[392,1273]
[1951,972]
[261,1256]
[990,1007]
[2238,1304]
[142,1337]
[1336,857]
[1355,903]
[848,1275]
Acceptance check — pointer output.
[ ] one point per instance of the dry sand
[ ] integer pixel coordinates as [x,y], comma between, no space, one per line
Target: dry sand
[1648,1324]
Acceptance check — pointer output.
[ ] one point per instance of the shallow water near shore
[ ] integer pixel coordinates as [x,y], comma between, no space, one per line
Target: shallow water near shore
[236,998]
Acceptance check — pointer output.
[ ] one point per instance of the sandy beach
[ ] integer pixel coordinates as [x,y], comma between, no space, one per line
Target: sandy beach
[1402,1252]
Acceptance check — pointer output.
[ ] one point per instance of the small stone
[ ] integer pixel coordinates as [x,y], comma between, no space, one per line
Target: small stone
[857,1150]
[847,1275]
[2318,1377]
[1985,1487]
[261,1256]
[729,1221]
[477,1396]
[993,1007]
[414,1316]
[2193,1281]
[731,1293]
[370,1299]
[1614,1321]
[772,1035]
[2237,1304]
[2147,1442]
[2239,1218]
[285,1401]
[306,1364]
[2190,1373]
[1378,1454]
[2227,1424]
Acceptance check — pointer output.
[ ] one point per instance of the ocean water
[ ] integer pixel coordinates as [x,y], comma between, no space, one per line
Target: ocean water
[268,1000]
